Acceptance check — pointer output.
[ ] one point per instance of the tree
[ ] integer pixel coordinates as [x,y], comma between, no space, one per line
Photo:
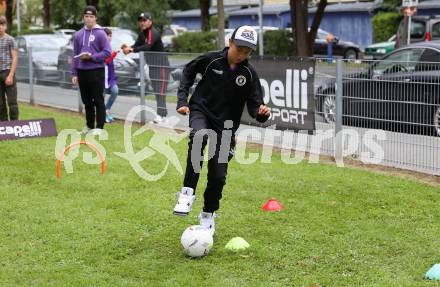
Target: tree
[31,12]
[93,3]
[157,8]
[9,13]
[204,14]
[304,38]
[183,4]
[221,24]
[46,13]
[66,13]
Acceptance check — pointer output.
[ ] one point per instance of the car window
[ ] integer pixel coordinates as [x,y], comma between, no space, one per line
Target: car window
[430,55]
[435,33]
[321,35]
[400,61]
[21,43]
[430,61]
[46,43]
[418,29]
[167,32]
[120,37]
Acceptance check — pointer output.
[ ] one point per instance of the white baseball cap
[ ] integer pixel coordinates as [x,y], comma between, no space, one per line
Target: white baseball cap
[245,36]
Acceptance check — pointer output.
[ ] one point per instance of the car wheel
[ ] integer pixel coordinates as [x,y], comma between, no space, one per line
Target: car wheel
[436,120]
[350,54]
[329,108]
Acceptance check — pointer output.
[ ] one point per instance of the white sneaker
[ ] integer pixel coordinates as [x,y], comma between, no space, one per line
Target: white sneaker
[185,200]
[207,220]
[158,119]
[96,132]
[85,130]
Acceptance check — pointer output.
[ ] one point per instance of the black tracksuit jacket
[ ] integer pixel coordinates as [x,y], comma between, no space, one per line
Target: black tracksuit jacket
[222,93]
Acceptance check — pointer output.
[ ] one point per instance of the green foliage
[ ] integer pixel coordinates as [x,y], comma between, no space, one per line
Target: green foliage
[68,14]
[183,4]
[340,226]
[391,5]
[195,42]
[33,31]
[157,8]
[385,25]
[278,43]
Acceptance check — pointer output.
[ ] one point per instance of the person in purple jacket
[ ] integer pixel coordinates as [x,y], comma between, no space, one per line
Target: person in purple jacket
[111,84]
[90,49]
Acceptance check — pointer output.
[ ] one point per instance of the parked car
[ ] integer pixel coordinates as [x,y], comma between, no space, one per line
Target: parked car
[348,50]
[399,93]
[126,67]
[45,50]
[378,50]
[169,33]
[66,33]
[423,28]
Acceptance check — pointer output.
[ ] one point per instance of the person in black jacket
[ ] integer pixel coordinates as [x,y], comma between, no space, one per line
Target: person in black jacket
[149,40]
[228,83]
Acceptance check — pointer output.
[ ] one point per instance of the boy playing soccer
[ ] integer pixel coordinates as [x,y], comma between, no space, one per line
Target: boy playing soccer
[228,83]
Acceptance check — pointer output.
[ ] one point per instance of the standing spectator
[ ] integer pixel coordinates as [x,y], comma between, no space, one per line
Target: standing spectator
[90,49]
[149,39]
[8,83]
[111,85]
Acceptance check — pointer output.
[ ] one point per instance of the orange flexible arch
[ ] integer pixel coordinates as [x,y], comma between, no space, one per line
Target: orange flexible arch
[93,147]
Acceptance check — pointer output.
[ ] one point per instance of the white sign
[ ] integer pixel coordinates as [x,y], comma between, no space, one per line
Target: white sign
[410,3]
[235,3]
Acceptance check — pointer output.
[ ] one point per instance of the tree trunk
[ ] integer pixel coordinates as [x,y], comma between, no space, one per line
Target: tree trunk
[302,46]
[204,13]
[221,24]
[316,21]
[9,14]
[304,39]
[46,13]
[93,3]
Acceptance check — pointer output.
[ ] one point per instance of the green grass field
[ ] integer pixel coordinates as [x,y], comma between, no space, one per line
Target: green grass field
[340,226]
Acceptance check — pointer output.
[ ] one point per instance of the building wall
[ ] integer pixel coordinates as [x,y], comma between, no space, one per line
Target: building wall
[355,27]
[252,20]
[191,23]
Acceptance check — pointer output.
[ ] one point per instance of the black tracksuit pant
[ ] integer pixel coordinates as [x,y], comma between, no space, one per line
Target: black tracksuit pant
[8,98]
[217,164]
[91,85]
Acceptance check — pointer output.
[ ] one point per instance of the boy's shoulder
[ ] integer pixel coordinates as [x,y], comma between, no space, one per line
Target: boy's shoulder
[213,55]
[7,37]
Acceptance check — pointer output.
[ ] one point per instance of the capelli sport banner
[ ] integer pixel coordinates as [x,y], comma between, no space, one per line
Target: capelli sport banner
[14,130]
[287,87]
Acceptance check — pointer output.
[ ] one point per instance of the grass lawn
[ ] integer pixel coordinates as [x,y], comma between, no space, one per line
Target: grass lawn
[340,226]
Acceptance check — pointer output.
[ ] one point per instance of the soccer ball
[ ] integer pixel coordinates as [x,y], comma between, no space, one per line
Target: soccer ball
[196,241]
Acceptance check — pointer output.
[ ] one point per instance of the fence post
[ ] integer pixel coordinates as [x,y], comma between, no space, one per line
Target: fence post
[31,77]
[80,103]
[338,112]
[142,83]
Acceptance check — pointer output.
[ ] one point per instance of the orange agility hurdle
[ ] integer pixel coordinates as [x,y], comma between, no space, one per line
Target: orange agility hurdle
[93,147]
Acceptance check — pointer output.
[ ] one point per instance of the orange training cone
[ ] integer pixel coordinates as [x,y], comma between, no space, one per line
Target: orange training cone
[272,205]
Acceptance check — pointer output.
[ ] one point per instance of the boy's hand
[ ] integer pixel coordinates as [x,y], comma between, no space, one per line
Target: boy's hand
[126,49]
[86,57]
[183,110]
[264,111]
[9,80]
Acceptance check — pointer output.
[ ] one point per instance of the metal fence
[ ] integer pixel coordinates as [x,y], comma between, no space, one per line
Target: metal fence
[395,105]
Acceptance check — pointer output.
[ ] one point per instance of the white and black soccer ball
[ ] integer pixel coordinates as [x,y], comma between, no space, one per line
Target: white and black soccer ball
[196,241]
